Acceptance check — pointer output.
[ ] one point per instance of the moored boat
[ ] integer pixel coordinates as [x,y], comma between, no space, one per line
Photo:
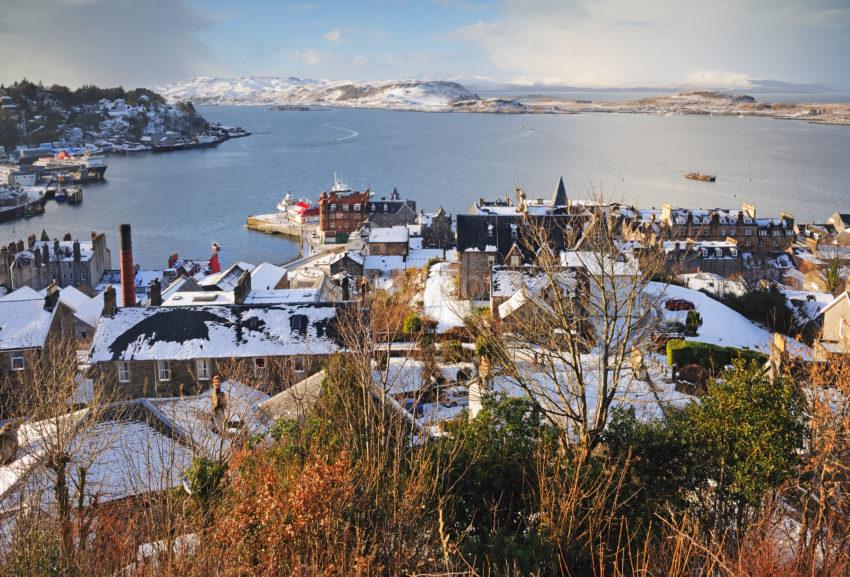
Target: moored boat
[701,176]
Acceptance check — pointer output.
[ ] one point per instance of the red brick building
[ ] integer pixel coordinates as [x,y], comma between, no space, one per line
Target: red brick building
[341,212]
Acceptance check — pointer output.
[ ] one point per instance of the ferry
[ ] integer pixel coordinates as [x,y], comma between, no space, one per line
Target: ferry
[203,141]
[701,176]
[86,167]
[301,211]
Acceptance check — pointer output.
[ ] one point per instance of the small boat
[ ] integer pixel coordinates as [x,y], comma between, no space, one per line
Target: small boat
[701,176]
[60,195]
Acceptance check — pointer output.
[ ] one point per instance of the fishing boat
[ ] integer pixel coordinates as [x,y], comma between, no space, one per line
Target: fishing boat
[701,176]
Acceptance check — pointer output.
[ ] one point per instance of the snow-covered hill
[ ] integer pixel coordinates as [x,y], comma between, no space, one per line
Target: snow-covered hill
[266,90]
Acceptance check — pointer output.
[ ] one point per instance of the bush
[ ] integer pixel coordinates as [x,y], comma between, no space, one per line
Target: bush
[453,351]
[712,357]
[412,323]
[693,322]
[766,306]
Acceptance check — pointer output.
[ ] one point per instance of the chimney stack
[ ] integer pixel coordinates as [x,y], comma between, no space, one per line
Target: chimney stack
[77,254]
[242,288]
[52,296]
[110,301]
[128,276]
[156,293]
[31,241]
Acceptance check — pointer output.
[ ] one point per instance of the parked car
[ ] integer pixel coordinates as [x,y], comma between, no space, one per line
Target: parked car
[679,305]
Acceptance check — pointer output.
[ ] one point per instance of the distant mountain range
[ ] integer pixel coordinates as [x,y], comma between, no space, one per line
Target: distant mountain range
[750,86]
[270,90]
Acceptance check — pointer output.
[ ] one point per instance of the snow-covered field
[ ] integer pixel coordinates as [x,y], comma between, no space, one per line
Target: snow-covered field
[267,90]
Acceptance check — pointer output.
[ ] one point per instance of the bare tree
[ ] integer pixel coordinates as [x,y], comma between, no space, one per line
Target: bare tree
[574,337]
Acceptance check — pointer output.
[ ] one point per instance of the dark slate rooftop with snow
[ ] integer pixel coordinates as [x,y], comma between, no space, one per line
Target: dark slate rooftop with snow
[182,333]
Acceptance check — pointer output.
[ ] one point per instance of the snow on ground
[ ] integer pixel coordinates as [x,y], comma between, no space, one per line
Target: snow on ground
[721,325]
[266,90]
[440,303]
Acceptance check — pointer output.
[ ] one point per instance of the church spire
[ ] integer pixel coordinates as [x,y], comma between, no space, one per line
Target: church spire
[560,197]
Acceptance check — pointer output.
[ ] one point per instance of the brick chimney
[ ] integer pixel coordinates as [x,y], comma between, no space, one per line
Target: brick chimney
[156,293]
[110,301]
[77,254]
[31,241]
[20,246]
[128,276]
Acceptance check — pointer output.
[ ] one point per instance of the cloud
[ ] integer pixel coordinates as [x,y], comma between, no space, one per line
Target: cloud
[310,56]
[106,42]
[360,61]
[334,36]
[618,43]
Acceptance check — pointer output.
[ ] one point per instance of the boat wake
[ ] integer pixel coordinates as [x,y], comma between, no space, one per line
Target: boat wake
[351,133]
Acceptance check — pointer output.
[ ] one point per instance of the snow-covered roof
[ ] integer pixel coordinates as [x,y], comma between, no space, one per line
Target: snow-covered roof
[506,281]
[195,298]
[191,417]
[396,233]
[280,296]
[383,263]
[71,297]
[404,374]
[266,276]
[178,333]
[417,258]
[90,312]
[227,279]
[23,323]
[24,293]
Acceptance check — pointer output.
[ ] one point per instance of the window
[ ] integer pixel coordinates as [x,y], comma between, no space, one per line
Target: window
[123,372]
[718,252]
[298,364]
[18,362]
[82,276]
[705,253]
[357,207]
[515,261]
[298,323]
[722,232]
[84,334]
[259,363]
[163,371]
[333,207]
[748,232]
[731,232]
[339,215]
[203,368]
[345,207]
[734,251]
[373,208]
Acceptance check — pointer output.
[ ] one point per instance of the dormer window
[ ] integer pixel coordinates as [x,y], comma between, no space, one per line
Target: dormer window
[333,207]
[490,230]
[704,253]
[513,231]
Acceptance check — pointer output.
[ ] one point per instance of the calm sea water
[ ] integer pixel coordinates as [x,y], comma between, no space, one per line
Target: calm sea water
[181,202]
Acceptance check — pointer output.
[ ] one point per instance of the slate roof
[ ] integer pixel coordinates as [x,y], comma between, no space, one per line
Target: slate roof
[24,323]
[216,331]
[473,231]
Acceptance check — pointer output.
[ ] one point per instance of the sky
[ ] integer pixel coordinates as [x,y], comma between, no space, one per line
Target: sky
[602,43]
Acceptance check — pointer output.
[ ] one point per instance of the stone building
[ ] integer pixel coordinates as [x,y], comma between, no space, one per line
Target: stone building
[389,241]
[391,211]
[751,233]
[718,257]
[67,262]
[835,336]
[169,351]
[436,229]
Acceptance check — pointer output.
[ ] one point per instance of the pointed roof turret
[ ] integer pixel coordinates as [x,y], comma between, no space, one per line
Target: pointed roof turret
[560,197]
[44,236]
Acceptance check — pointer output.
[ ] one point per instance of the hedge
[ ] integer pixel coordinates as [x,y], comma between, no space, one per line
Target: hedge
[712,357]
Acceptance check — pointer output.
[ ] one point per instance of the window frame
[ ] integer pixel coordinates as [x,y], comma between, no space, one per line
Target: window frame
[163,367]
[123,371]
[17,356]
[202,368]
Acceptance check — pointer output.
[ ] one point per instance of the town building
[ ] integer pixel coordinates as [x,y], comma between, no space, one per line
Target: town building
[436,229]
[67,262]
[718,257]
[169,351]
[341,212]
[499,233]
[835,336]
[751,233]
[389,241]
[391,211]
